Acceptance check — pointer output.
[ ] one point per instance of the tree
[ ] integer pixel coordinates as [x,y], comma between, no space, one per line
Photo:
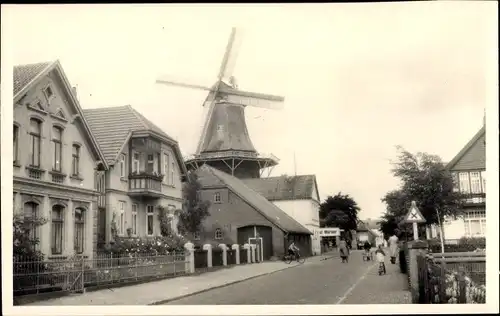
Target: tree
[24,246]
[425,180]
[194,210]
[339,211]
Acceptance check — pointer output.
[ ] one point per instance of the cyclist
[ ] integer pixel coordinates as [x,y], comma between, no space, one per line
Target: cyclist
[293,250]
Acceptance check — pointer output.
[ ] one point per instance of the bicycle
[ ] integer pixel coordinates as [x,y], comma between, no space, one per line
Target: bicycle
[289,258]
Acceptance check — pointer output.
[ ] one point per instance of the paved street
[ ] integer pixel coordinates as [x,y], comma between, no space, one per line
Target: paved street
[322,282]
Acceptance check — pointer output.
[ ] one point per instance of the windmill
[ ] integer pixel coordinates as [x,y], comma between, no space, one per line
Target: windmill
[224,142]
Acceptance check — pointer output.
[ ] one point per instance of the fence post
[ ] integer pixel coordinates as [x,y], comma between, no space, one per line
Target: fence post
[111,267]
[462,287]
[37,276]
[415,248]
[83,274]
[253,248]
[208,248]
[236,249]
[442,282]
[249,256]
[224,254]
[136,266]
[190,255]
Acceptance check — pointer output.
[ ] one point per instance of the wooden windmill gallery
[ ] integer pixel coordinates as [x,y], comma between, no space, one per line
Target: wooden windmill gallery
[224,142]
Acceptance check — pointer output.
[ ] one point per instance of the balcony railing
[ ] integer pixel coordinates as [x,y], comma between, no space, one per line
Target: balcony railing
[474,198]
[145,183]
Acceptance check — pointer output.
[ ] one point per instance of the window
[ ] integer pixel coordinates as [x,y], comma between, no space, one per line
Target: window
[150,220]
[166,164]
[135,163]
[75,162]
[475,223]
[48,92]
[79,230]
[456,186]
[31,211]
[483,180]
[57,229]
[196,236]
[35,138]
[464,182]
[217,197]
[56,147]
[172,173]
[475,182]
[218,234]
[121,218]
[15,142]
[158,163]
[134,219]
[151,163]
[122,165]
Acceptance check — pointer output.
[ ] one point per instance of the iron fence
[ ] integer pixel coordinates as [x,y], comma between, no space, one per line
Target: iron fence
[76,273]
[448,279]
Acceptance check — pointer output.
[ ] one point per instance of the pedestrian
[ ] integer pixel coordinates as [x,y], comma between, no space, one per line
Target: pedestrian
[393,247]
[381,260]
[367,246]
[343,250]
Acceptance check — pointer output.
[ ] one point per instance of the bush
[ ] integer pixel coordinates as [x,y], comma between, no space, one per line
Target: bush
[159,245]
[464,245]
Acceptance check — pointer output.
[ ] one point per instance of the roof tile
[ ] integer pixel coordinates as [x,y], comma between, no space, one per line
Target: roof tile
[284,188]
[24,74]
[112,125]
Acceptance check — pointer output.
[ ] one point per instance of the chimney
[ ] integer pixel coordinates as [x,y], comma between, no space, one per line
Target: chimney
[484,118]
[74,91]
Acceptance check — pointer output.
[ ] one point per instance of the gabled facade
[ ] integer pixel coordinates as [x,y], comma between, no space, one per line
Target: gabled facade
[145,172]
[238,214]
[55,160]
[468,168]
[297,196]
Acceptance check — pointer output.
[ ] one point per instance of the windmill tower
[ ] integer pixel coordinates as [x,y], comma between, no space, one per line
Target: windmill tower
[224,142]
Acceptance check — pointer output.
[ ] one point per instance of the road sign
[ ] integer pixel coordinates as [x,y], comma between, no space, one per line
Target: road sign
[414,215]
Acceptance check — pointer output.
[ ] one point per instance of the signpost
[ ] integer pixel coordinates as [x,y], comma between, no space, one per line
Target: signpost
[414,217]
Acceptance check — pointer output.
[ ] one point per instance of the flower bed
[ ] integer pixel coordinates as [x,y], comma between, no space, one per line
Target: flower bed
[474,294]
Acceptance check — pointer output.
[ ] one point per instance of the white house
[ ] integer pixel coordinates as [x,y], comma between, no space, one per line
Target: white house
[297,196]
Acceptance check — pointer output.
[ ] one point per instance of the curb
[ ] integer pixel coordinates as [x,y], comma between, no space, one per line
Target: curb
[218,286]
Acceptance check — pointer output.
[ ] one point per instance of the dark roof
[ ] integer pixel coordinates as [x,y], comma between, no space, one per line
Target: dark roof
[285,188]
[112,127]
[467,147]
[270,211]
[25,74]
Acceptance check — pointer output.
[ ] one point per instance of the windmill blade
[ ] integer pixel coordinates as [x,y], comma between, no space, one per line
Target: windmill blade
[229,60]
[255,102]
[208,104]
[255,95]
[181,84]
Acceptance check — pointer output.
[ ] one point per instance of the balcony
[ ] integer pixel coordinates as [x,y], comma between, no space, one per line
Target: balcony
[474,199]
[145,184]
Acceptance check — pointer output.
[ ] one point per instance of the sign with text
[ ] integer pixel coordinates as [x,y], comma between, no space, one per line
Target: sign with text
[328,232]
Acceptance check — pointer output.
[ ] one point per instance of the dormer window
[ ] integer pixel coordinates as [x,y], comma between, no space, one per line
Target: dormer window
[48,92]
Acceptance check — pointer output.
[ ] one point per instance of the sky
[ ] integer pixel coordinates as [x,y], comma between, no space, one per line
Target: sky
[358,79]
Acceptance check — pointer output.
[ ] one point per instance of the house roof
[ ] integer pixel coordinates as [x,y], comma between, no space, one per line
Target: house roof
[25,74]
[270,211]
[28,75]
[466,148]
[113,126]
[285,188]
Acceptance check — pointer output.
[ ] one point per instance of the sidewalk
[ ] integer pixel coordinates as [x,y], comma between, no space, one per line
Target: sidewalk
[372,288]
[158,292]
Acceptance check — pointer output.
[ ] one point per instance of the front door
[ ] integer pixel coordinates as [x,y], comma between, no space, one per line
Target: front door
[259,247]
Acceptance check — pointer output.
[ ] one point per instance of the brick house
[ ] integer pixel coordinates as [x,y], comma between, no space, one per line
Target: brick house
[468,168]
[55,157]
[146,170]
[240,215]
[297,196]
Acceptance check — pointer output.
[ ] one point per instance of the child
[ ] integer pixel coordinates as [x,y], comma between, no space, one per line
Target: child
[381,260]
[367,246]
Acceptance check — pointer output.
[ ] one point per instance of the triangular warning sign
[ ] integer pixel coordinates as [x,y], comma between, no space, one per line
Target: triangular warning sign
[414,215]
